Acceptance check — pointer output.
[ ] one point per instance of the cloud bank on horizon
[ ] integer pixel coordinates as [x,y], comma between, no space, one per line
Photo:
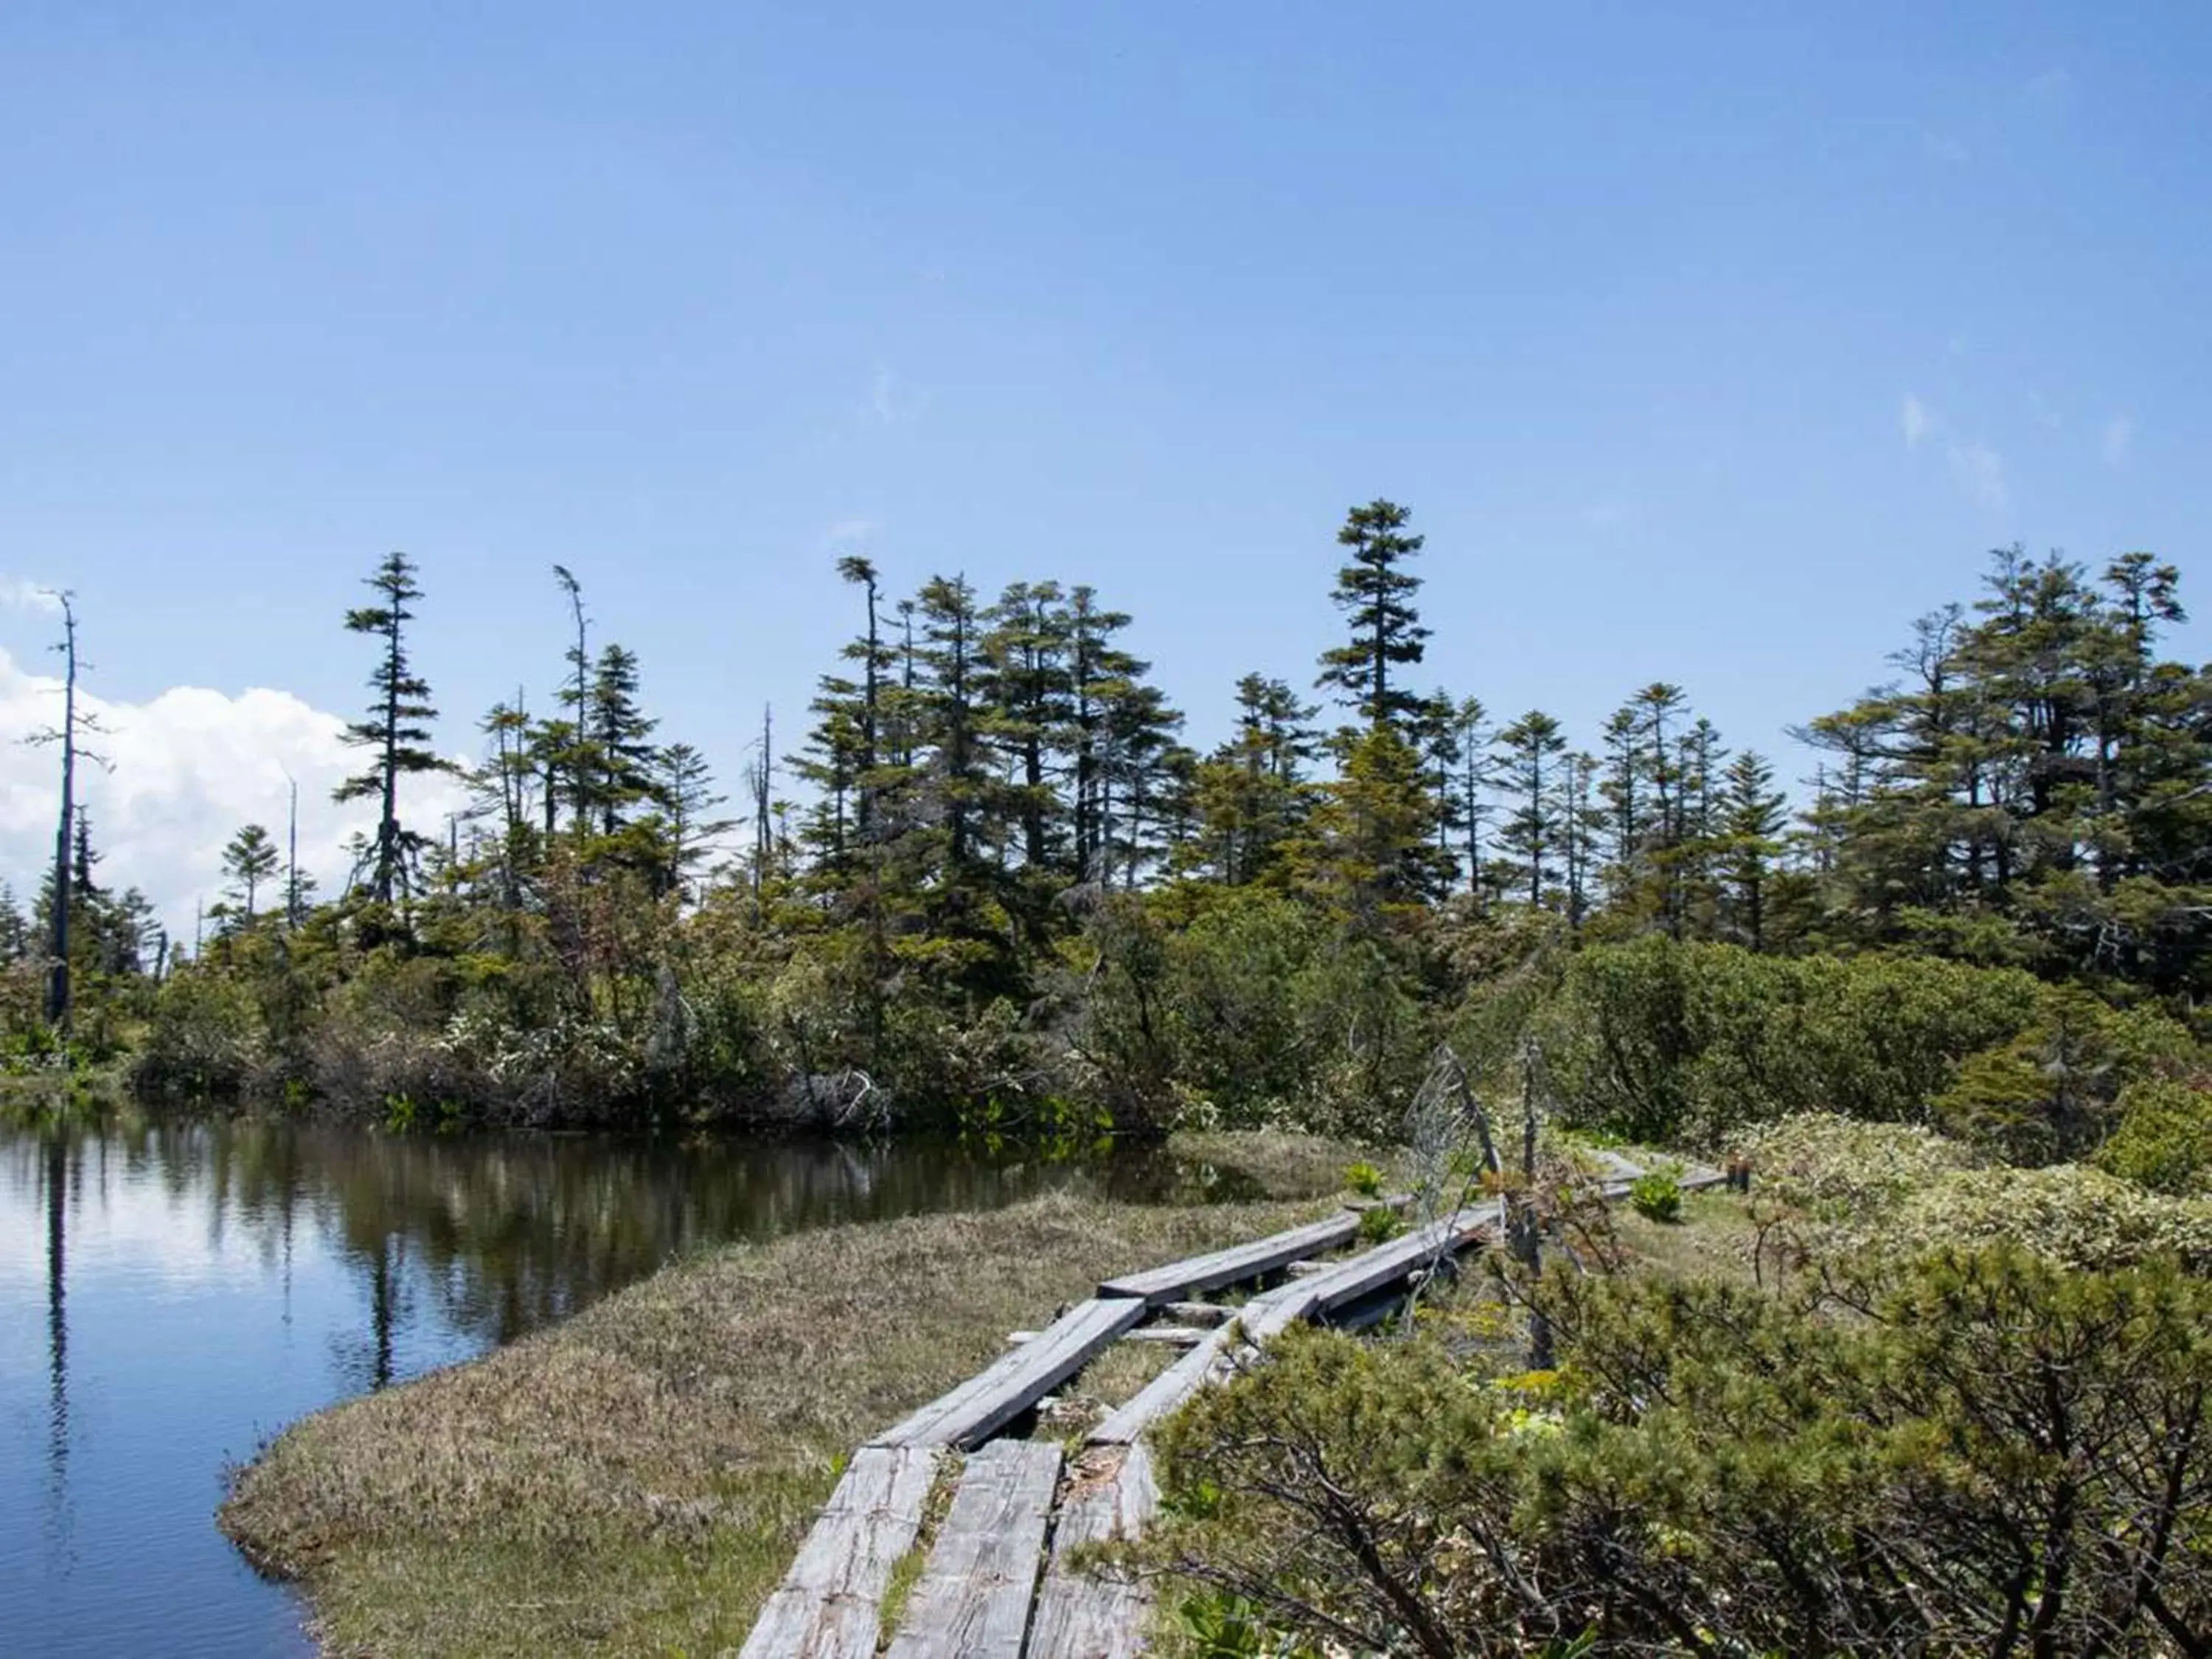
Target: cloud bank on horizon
[187,769]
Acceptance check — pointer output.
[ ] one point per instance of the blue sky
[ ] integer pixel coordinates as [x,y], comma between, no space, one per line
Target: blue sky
[1710,343]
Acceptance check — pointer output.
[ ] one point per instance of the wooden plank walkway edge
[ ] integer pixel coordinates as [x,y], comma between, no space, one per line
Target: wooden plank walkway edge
[1272,1312]
[1002,1391]
[1179,1280]
[829,1604]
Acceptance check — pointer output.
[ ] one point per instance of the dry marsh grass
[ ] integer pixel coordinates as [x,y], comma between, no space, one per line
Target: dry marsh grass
[636,1480]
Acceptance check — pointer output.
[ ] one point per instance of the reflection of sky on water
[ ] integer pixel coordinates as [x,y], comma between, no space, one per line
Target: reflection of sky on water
[171,1296]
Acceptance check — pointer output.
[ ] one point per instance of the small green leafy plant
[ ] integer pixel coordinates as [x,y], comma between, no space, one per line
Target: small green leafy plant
[1222,1626]
[1365,1179]
[1656,1195]
[1379,1224]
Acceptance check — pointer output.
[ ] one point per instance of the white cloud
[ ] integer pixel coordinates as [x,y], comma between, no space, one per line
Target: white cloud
[1980,471]
[1913,418]
[2119,436]
[19,593]
[846,534]
[190,766]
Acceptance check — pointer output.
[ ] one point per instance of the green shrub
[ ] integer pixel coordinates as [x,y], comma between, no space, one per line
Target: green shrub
[1380,1224]
[1365,1179]
[1840,1169]
[1656,1196]
[1252,1014]
[2164,1139]
[1664,1042]
[1216,1625]
[205,1040]
[2078,1218]
[1711,1461]
[2050,1093]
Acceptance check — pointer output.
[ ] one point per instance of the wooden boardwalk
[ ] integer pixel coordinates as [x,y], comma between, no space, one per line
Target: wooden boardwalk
[999,1579]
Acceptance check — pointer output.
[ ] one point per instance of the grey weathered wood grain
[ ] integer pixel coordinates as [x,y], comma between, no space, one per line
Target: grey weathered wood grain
[1001,1392]
[972,1601]
[1231,1267]
[1363,1274]
[1110,1496]
[830,1603]
[1204,1363]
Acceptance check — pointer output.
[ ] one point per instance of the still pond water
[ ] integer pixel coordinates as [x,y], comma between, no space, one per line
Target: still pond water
[172,1293]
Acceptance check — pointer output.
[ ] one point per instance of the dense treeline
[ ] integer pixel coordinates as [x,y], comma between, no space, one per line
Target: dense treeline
[991,882]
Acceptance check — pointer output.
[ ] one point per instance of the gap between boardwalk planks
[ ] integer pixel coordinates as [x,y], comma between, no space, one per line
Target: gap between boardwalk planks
[1262,1256]
[972,1601]
[1002,1391]
[1274,1311]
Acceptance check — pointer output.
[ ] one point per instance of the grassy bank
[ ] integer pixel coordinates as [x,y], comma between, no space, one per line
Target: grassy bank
[636,1480]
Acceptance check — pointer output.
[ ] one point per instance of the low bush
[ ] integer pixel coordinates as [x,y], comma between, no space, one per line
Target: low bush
[1365,1179]
[2164,1140]
[1715,1470]
[1840,1169]
[204,1041]
[1656,1195]
[1665,1042]
[1672,1043]
[2074,1217]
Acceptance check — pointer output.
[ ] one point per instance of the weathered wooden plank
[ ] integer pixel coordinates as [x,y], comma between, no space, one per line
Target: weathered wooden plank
[1363,1274]
[1002,1391]
[1237,1264]
[829,1602]
[973,1598]
[1696,1178]
[1110,1495]
[1274,1311]
[1202,1364]
[1611,1165]
[1174,1336]
[1200,1313]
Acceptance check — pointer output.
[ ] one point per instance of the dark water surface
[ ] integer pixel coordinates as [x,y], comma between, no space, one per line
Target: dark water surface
[172,1293]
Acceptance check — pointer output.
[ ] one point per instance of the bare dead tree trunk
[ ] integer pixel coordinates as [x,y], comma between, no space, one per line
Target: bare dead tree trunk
[58,971]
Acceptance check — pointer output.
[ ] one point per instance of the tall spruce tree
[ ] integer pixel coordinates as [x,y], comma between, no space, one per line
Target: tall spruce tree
[1027,686]
[1533,834]
[396,734]
[624,774]
[1377,595]
[1097,668]
[2040,772]
[248,862]
[1753,820]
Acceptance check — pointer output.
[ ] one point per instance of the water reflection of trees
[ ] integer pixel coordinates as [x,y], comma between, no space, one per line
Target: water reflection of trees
[498,1235]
